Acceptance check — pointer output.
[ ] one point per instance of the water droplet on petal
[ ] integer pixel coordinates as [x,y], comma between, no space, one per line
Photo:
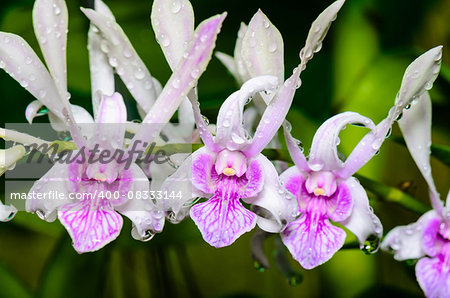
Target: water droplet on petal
[56,9]
[399,116]
[195,73]
[40,214]
[371,244]
[126,53]
[113,61]
[42,93]
[148,235]
[28,60]
[176,83]
[272,47]
[226,123]
[205,119]
[176,6]
[139,74]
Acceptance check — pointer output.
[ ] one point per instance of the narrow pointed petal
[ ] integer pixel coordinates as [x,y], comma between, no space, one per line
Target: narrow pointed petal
[419,76]
[229,63]
[222,220]
[262,48]
[362,221]
[10,156]
[81,117]
[319,30]
[202,127]
[279,205]
[56,179]
[181,183]
[323,153]
[274,115]
[102,74]
[7,212]
[230,132]
[312,239]
[32,110]
[21,62]
[102,8]
[90,225]
[295,151]
[112,113]
[240,64]
[184,78]
[50,22]
[416,129]
[173,23]
[433,275]
[147,219]
[124,58]
[185,113]
[405,242]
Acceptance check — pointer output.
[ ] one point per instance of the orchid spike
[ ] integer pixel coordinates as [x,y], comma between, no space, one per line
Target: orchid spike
[428,239]
[231,168]
[324,186]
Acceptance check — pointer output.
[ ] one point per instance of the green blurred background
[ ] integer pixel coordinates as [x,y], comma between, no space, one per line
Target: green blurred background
[359,68]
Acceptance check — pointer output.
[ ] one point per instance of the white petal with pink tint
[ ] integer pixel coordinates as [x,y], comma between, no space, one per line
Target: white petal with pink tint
[173,23]
[50,22]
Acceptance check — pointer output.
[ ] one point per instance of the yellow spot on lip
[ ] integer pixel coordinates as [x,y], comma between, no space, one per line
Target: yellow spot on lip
[319,192]
[100,177]
[229,171]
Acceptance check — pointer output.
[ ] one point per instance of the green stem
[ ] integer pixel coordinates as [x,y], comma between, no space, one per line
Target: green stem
[392,194]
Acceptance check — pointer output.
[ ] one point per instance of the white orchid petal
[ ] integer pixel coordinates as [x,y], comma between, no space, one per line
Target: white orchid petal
[183,79]
[416,129]
[318,31]
[230,64]
[80,115]
[419,77]
[230,118]
[10,156]
[112,114]
[146,217]
[406,241]
[240,64]
[362,222]
[102,74]
[262,48]
[124,59]
[274,198]
[274,115]
[50,22]
[102,8]
[7,212]
[32,110]
[55,180]
[21,62]
[324,155]
[173,23]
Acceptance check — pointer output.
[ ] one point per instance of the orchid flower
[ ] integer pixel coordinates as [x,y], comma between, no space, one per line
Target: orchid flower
[428,239]
[230,167]
[324,186]
[93,221]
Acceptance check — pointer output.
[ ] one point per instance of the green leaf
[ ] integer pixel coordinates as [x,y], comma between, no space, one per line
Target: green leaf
[69,274]
[11,286]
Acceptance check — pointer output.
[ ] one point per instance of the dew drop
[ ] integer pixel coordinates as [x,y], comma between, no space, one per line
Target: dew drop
[126,53]
[147,236]
[371,244]
[176,6]
[205,119]
[388,134]
[258,266]
[28,60]
[113,61]
[272,47]
[176,83]
[24,83]
[2,64]
[42,93]
[40,214]
[56,9]
[226,123]
[139,74]
[195,73]
[399,116]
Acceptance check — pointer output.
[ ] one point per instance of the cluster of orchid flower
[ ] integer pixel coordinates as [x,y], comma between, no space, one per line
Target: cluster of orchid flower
[301,203]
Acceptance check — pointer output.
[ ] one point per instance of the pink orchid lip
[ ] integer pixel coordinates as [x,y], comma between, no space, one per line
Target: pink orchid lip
[444,230]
